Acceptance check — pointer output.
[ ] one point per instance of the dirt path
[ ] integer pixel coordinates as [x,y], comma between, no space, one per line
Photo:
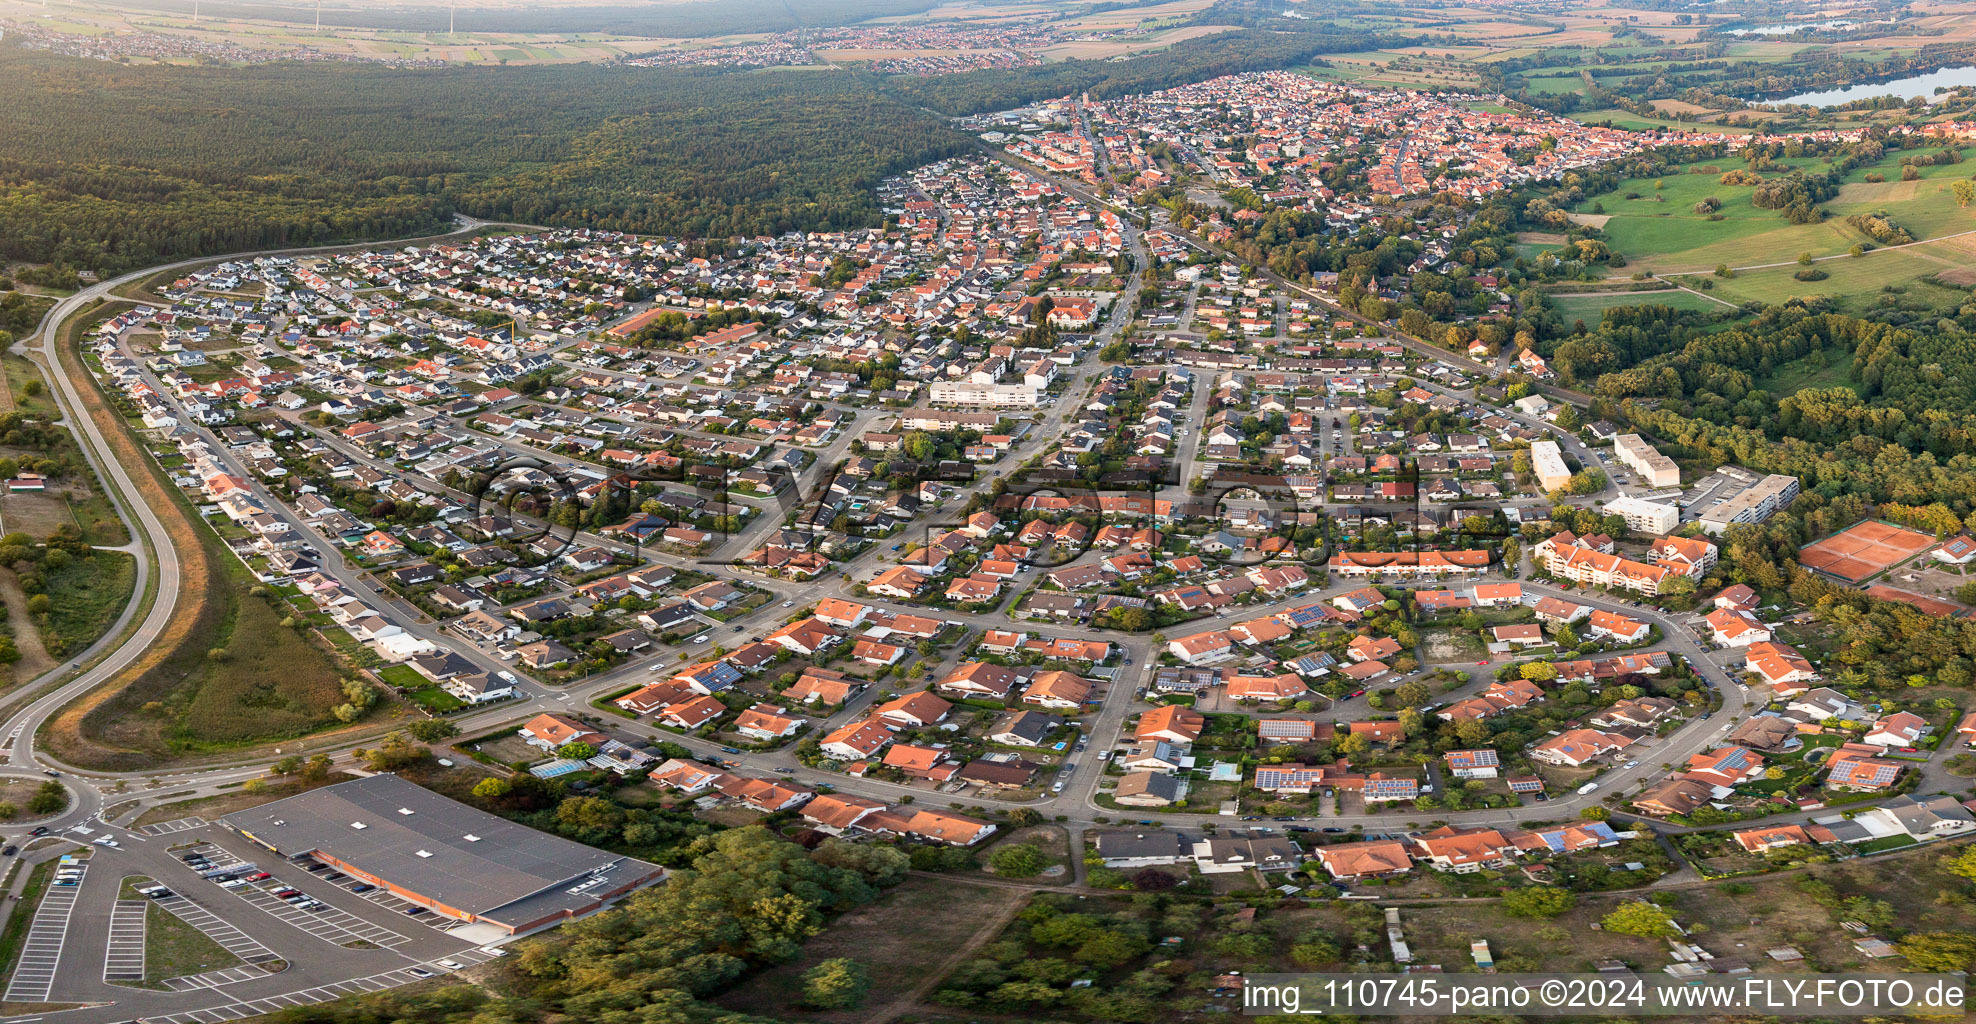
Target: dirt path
[990,927]
[27,636]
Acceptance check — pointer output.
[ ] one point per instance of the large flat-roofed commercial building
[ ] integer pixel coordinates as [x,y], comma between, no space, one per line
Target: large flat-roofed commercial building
[444,855]
[1753,504]
[1655,469]
[1547,462]
[1643,516]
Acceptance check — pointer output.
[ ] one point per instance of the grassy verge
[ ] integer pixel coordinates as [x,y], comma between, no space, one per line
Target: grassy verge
[224,673]
[174,949]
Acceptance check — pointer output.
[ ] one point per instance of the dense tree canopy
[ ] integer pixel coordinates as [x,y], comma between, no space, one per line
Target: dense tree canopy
[111,167]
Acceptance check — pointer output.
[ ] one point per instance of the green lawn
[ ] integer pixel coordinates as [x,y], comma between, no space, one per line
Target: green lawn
[1590,307]
[174,949]
[402,675]
[1826,368]
[1635,122]
[434,699]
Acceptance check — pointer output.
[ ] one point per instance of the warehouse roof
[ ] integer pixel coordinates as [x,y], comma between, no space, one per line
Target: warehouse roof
[442,849]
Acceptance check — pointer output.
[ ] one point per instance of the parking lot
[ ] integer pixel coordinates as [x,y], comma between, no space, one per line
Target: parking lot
[304,909]
[123,959]
[42,952]
[165,828]
[230,938]
[320,994]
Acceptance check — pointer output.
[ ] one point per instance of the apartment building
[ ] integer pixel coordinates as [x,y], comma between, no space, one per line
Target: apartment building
[1753,504]
[1655,469]
[1643,516]
[1547,462]
[972,395]
[1567,560]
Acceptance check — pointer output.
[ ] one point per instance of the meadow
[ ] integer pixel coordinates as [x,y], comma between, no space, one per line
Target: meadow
[1589,307]
[1661,231]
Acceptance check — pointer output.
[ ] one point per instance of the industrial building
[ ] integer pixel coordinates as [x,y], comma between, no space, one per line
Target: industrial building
[452,859]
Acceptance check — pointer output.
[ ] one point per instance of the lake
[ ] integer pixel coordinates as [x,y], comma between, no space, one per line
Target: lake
[1912,85]
[1787,29]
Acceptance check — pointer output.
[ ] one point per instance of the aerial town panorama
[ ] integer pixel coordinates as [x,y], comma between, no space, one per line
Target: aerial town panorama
[693,511]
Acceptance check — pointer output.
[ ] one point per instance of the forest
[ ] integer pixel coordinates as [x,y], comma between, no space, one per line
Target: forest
[110,167]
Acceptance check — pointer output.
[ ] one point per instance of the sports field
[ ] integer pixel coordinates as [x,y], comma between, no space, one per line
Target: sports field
[1864,550]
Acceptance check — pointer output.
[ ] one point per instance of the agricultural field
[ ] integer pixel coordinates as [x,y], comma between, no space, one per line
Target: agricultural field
[465,46]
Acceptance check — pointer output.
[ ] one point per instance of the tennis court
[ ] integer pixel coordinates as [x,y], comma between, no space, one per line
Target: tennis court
[1863,550]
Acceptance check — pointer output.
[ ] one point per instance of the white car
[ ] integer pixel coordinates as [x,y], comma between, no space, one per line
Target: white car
[104,841]
[493,951]
[788,604]
[452,965]
[1630,764]
[702,638]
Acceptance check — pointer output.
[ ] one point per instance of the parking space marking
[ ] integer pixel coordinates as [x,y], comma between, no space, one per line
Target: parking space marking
[165,828]
[232,939]
[123,958]
[326,923]
[34,974]
[384,898]
[303,997]
[215,979]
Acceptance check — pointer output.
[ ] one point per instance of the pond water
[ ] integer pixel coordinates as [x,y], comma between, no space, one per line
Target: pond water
[1923,85]
[1796,26]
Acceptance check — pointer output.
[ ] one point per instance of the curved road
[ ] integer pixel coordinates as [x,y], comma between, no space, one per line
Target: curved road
[151,544]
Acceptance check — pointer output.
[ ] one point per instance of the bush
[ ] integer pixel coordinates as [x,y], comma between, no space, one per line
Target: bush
[836,984]
[1018,860]
[1811,274]
[50,798]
